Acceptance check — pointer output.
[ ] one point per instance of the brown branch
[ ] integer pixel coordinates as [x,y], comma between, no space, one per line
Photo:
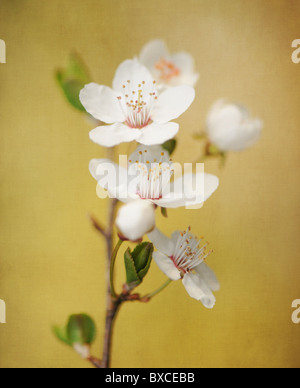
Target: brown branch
[95,362]
[97,225]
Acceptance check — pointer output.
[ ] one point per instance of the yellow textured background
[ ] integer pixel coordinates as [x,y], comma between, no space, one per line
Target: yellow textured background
[51,261]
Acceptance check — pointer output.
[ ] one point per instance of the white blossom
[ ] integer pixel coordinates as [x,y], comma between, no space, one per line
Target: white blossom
[231,128]
[148,177]
[183,257]
[168,69]
[133,109]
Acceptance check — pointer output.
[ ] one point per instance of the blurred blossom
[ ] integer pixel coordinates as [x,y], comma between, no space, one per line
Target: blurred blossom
[183,257]
[133,107]
[231,128]
[136,219]
[168,69]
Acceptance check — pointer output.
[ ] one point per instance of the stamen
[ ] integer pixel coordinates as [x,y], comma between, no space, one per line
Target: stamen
[188,253]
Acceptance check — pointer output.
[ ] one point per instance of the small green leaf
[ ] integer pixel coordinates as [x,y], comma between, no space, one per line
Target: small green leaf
[61,334]
[170,146]
[132,277]
[164,212]
[81,329]
[73,79]
[137,264]
[213,150]
[141,256]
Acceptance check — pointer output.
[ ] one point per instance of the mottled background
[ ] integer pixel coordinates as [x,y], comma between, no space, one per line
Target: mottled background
[52,261]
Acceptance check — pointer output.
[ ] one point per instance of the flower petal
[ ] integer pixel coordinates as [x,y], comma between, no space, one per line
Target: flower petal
[184,62]
[111,177]
[112,135]
[166,265]
[199,290]
[208,276]
[132,74]
[172,103]
[161,242]
[155,134]
[153,52]
[102,103]
[186,193]
[136,219]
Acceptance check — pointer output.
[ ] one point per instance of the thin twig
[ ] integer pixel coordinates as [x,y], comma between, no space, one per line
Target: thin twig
[95,362]
[97,225]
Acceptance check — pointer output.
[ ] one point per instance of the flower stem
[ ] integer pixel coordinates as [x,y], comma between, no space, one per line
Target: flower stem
[159,290]
[112,268]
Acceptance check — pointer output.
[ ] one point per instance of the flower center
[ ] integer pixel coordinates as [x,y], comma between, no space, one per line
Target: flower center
[188,252]
[154,176]
[137,103]
[167,70]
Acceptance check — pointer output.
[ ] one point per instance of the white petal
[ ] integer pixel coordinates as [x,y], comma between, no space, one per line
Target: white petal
[161,242]
[186,193]
[184,62]
[136,219]
[199,290]
[231,128]
[166,265]
[112,135]
[155,133]
[153,52]
[172,103]
[134,72]
[102,103]
[208,276]
[112,178]
[153,153]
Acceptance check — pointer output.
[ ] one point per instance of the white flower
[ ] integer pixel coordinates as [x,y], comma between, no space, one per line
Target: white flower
[135,219]
[168,70]
[148,177]
[182,257]
[230,127]
[133,107]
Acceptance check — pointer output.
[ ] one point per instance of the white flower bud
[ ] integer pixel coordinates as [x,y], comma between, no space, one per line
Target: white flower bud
[136,219]
[230,127]
[82,350]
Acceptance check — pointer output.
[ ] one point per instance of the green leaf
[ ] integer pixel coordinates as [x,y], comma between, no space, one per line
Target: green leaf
[73,79]
[137,264]
[81,329]
[61,334]
[164,212]
[170,146]
[141,255]
[213,150]
[132,277]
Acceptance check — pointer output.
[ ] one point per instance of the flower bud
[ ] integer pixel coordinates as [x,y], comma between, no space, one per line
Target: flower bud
[230,127]
[135,220]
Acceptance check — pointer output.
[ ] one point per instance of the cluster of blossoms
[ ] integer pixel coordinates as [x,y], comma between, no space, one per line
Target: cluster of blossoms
[148,93]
